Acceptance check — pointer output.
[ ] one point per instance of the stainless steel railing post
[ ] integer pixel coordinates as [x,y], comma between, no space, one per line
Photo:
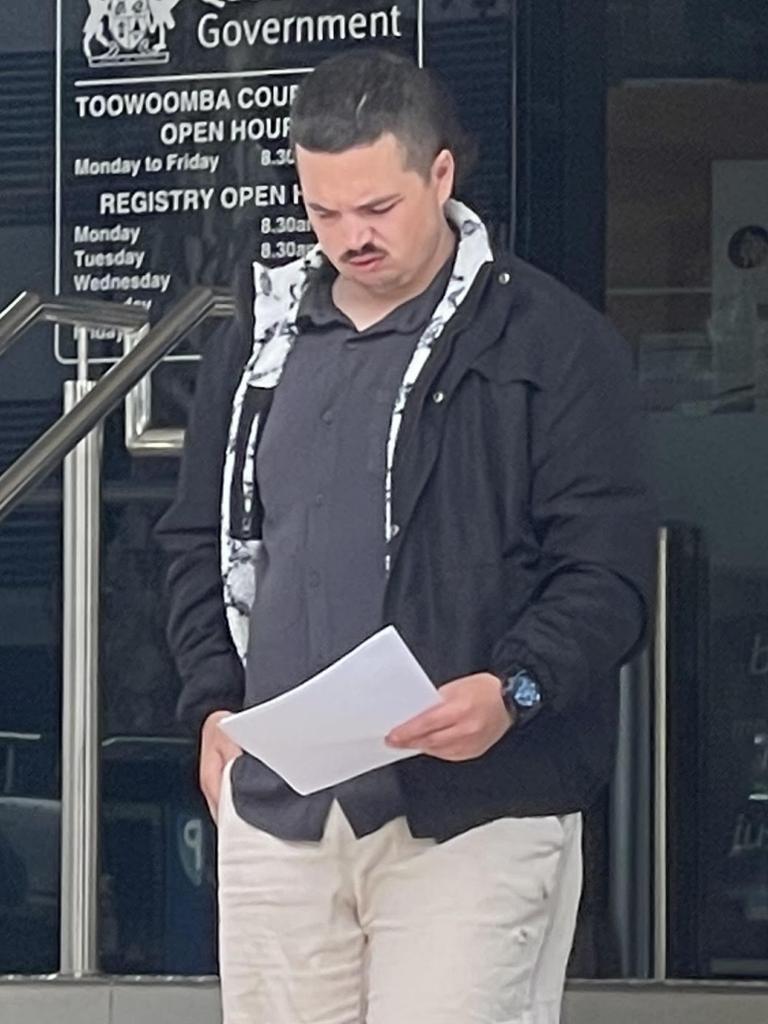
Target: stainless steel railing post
[631,822]
[639,813]
[80,699]
[660,771]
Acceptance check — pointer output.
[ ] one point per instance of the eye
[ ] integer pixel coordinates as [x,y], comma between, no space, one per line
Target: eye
[381,210]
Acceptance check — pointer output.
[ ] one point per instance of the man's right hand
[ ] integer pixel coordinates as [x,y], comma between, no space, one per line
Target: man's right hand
[216,749]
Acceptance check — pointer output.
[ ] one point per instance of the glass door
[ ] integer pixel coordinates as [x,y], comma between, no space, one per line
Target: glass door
[687,283]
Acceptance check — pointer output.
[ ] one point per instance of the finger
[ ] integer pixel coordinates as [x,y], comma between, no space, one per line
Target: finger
[422,725]
[210,801]
[454,746]
[444,739]
[210,784]
[456,725]
[216,791]
[213,810]
[455,755]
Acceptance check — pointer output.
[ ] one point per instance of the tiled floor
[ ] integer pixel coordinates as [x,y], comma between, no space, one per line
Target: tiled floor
[104,1002]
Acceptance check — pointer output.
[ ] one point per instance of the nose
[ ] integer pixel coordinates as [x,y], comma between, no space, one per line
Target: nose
[356,234]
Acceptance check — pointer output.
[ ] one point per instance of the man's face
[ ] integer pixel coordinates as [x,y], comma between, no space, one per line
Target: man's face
[378,222]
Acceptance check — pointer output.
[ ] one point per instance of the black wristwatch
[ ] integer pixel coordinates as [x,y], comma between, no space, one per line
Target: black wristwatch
[521,694]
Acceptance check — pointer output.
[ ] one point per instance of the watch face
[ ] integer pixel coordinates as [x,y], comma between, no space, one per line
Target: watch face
[526,692]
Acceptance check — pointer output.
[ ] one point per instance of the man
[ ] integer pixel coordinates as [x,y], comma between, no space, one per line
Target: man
[412,429]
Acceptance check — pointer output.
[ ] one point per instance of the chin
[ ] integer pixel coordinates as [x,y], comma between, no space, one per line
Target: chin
[378,279]
[383,284]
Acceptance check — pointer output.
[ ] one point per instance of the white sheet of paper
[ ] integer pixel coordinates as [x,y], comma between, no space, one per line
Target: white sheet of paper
[332,727]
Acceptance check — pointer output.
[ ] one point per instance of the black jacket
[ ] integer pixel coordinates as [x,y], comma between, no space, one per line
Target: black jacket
[526,539]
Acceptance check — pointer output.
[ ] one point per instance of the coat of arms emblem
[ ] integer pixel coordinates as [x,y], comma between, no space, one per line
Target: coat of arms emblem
[118,32]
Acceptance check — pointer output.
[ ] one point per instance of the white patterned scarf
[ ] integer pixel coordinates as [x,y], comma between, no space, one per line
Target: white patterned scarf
[277,296]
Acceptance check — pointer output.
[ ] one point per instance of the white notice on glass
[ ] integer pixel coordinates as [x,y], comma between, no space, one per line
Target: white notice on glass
[332,727]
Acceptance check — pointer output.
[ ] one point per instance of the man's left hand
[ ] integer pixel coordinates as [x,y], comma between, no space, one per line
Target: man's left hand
[470,719]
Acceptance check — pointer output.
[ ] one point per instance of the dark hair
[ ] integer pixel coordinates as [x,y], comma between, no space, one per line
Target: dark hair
[356,97]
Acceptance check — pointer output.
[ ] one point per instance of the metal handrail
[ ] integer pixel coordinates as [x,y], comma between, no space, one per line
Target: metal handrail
[47,452]
[29,308]
[76,439]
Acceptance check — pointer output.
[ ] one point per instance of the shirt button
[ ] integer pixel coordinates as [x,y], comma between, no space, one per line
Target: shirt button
[352,346]
[438,397]
[505,277]
[314,579]
[328,418]
[319,500]
[394,531]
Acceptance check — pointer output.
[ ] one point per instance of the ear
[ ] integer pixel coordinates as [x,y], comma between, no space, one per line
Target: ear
[444,175]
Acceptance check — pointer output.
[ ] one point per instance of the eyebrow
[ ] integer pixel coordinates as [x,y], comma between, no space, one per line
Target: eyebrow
[380,201]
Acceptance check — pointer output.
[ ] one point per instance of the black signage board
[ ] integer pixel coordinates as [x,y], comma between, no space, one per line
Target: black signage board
[173,161]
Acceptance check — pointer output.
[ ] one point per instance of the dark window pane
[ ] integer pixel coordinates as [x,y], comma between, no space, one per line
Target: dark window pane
[687,282]
[158,853]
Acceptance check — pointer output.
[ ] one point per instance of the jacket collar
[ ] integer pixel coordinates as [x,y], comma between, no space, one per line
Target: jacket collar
[278,293]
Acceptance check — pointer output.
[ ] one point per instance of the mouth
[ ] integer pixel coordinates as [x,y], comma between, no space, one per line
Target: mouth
[366,262]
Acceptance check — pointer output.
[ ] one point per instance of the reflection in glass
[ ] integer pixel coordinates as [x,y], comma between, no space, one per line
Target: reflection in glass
[29,737]
[157,897]
[687,283]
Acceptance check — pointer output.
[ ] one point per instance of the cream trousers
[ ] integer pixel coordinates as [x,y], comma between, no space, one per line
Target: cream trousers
[389,929]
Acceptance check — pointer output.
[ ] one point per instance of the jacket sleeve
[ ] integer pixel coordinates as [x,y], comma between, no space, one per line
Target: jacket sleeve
[594,519]
[198,635]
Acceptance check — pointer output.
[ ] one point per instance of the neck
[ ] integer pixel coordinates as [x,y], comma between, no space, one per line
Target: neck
[360,303]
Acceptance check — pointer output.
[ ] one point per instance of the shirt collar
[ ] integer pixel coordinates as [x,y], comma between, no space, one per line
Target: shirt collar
[317,310]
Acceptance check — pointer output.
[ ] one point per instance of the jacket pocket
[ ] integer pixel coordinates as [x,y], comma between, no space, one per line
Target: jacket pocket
[507,364]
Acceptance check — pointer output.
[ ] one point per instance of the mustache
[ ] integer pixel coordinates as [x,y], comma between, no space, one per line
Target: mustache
[357,254]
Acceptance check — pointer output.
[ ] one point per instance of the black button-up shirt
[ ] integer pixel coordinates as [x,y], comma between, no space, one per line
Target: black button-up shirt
[320,469]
